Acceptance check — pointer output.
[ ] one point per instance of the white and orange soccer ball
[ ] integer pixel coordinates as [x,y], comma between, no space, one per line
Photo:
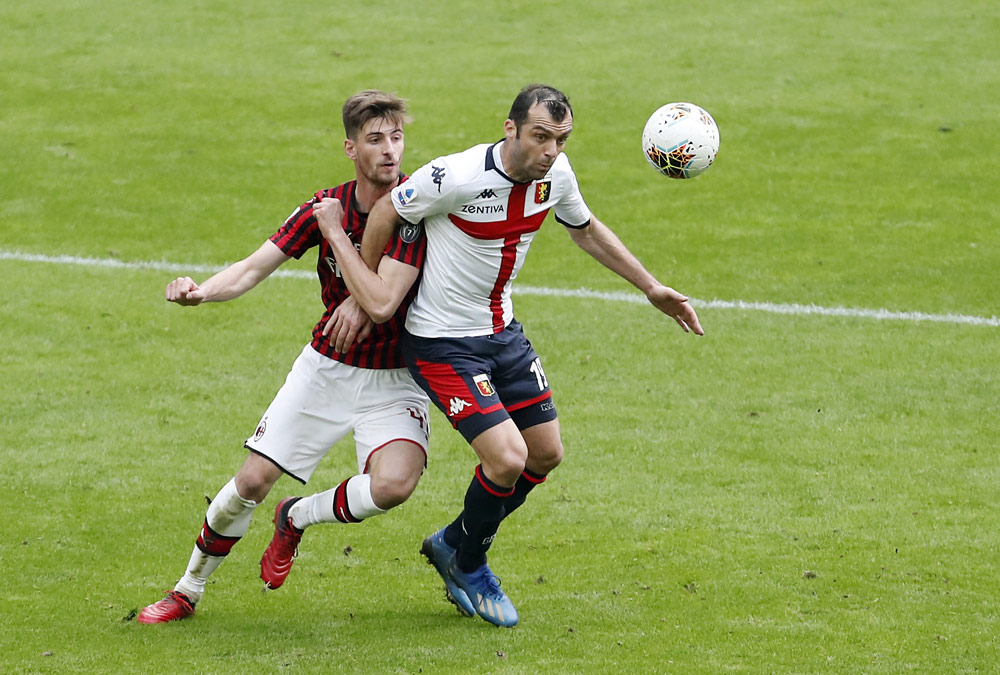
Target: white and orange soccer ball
[680,140]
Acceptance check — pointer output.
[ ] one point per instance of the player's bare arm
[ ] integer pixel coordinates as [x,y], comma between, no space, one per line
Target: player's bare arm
[231,282]
[604,246]
[382,222]
[379,294]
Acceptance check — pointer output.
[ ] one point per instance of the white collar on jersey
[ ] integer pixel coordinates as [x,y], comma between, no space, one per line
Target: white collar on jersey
[494,161]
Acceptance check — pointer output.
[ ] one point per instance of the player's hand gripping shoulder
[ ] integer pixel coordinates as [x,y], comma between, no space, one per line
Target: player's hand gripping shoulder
[348,324]
[184,291]
[676,306]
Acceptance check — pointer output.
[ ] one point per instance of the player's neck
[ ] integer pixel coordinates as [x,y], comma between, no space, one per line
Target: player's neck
[506,161]
[367,193]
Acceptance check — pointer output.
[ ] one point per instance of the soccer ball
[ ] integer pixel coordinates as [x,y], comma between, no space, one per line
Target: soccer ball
[680,140]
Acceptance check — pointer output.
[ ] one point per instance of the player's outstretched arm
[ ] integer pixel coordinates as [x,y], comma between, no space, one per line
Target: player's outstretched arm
[382,222]
[602,244]
[231,282]
[378,294]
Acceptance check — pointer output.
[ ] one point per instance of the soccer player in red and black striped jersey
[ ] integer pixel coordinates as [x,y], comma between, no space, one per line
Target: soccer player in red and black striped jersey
[349,379]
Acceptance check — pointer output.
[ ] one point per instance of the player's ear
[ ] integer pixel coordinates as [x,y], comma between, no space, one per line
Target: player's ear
[350,150]
[509,128]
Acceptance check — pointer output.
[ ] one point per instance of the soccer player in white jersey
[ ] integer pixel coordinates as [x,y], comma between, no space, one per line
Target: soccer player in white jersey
[480,210]
[336,386]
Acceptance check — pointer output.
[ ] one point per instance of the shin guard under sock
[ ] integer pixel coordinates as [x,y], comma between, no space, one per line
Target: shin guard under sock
[349,502]
[226,521]
[484,509]
[525,484]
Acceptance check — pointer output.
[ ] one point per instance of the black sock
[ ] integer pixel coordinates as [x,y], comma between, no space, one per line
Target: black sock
[525,483]
[484,509]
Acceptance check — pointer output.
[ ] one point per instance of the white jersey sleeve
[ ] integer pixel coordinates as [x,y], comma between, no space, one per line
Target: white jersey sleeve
[571,210]
[426,193]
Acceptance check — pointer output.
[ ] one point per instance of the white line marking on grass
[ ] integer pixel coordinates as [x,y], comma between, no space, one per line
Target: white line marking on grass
[773,308]
[614,296]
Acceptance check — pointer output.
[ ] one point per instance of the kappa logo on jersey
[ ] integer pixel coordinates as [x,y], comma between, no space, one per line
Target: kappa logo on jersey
[542,191]
[484,385]
[488,209]
[437,175]
[457,405]
[409,232]
[404,195]
[261,428]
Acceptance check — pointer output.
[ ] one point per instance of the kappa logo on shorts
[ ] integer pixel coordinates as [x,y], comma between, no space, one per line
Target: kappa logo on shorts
[261,429]
[484,385]
[457,405]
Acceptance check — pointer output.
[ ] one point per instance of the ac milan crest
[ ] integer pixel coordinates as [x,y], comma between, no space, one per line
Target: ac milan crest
[261,428]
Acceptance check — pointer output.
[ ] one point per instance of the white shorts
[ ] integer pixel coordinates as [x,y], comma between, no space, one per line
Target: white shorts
[323,400]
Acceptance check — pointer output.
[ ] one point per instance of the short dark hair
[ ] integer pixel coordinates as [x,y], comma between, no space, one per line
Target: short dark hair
[555,101]
[372,104]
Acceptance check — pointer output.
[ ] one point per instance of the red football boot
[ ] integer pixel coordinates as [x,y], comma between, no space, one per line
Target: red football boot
[277,560]
[175,606]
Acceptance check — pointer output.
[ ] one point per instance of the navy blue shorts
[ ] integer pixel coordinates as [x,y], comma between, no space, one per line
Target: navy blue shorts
[478,382]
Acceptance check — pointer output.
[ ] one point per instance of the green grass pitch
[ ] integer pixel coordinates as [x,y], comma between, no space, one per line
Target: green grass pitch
[792,493]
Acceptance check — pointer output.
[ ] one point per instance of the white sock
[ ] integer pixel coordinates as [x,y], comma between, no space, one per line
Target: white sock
[228,519]
[349,502]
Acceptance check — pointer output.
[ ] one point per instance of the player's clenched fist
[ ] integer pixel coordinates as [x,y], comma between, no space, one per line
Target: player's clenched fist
[184,291]
[329,216]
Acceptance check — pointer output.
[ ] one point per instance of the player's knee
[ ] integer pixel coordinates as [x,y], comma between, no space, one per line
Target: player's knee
[546,458]
[390,491]
[253,487]
[508,465]
[255,479]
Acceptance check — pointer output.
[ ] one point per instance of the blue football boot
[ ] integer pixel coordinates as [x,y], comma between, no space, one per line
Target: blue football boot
[441,555]
[483,588]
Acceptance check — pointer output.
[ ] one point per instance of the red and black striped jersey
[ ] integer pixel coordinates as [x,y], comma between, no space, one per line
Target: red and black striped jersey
[301,232]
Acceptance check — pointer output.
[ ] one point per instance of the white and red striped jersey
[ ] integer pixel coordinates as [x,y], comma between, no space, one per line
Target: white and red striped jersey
[479,224]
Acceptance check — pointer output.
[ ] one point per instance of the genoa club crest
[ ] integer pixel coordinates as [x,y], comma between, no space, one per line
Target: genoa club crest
[542,191]
[484,385]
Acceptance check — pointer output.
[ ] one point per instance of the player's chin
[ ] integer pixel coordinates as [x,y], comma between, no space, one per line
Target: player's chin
[385,176]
